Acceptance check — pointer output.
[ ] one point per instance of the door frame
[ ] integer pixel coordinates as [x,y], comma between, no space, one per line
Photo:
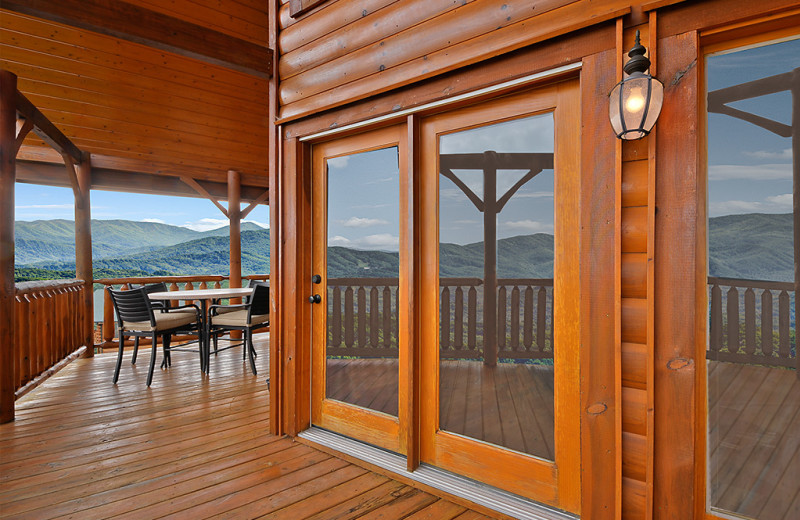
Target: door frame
[363,424]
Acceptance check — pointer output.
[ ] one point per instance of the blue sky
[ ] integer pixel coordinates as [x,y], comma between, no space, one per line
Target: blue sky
[750,168]
[34,202]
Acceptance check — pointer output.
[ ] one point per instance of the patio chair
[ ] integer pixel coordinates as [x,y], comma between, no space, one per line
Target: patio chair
[162,306]
[246,317]
[136,317]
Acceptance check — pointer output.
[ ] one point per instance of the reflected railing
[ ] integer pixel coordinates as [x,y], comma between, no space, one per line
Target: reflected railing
[362,320]
[756,307]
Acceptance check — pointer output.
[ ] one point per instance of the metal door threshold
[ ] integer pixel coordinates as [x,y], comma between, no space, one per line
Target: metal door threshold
[485,495]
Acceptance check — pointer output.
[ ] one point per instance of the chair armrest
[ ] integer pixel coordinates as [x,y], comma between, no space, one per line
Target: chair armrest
[212,308]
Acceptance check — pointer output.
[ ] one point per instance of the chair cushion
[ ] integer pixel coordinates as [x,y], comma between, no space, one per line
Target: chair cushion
[164,321]
[238,318]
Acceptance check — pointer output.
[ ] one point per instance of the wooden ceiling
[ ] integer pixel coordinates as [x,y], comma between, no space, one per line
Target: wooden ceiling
[151,88]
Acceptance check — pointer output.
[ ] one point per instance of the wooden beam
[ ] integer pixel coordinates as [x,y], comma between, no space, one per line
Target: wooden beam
[73,177]
[24,126]
[46,130]
[160,31]
[202,191]
[264,197]
[8,145]
[44,174]
[235,216]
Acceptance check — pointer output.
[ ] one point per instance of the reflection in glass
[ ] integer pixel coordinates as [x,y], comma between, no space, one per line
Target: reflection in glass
[496,218]
[753,386]
[362,276]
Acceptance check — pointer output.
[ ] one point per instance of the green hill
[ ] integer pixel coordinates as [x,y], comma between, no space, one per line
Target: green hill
[754,246]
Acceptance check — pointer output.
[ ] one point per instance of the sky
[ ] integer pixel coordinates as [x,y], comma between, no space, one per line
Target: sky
[750,168]
[34,202]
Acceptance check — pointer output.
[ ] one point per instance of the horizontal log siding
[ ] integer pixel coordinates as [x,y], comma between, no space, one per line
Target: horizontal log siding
[351,49]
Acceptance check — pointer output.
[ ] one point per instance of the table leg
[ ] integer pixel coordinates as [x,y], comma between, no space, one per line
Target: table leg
[204,343]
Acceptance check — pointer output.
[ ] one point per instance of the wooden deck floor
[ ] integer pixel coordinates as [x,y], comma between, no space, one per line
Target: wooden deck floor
[187,448]
[754,440]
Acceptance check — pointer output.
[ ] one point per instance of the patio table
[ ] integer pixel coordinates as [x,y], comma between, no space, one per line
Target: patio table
[203,296]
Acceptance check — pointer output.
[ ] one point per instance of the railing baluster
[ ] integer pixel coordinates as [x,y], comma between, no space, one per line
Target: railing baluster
[767,321]
[527,322]
[348,317]
[502,319]
[444,320]
[750,321]
[715,337]
[458,320]
[541,318]
[387,317]
[784,346]
[515,318]
[733,320]
[472,319]
[362,317]
[374,318]
[336,317]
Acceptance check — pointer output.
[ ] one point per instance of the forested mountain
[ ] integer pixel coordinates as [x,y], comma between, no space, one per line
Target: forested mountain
[754,246]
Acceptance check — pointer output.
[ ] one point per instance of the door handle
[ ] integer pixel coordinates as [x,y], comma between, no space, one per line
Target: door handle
[315,299]
[316,279]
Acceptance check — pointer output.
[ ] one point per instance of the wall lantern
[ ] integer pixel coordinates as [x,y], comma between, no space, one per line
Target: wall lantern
[635,102]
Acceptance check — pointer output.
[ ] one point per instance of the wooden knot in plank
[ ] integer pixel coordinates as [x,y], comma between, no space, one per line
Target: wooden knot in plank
[679,363]
[596,409]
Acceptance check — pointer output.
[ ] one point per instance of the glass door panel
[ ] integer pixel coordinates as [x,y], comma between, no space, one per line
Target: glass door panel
[753,389]
[500,241]
[363,270]
[496,222]
[356,345]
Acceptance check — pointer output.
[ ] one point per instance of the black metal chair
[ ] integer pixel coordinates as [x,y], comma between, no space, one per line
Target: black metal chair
[160,305]
[136,317]
[246,317]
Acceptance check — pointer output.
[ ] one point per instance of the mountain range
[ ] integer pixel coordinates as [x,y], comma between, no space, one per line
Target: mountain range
[125,248]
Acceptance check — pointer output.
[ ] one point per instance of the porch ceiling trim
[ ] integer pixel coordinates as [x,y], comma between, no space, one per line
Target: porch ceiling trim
[136,24]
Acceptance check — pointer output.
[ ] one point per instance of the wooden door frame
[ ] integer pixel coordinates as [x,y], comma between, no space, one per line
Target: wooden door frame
[360,423]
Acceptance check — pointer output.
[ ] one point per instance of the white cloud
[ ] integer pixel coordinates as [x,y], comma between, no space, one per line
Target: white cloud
[339,162]
[206,224]
[380,181]
[264,225]
[534,195]
[763,154]
[380,241]
[465,222]
[153,220]
[781,202]
[720,172]
[531,226]
[362,222]
[339,240]
[47,206]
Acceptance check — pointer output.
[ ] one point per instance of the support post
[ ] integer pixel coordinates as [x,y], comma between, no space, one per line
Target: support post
[490,211]
[83,249]
[234,214]
[8,153]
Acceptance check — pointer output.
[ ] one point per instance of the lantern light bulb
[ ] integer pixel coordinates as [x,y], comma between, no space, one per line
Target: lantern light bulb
[635,101]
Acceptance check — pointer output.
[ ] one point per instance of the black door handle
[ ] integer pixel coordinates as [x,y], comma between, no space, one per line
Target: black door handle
[315,299]
[316,279]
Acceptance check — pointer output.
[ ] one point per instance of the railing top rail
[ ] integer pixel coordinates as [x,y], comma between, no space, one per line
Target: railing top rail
[444,281]
[255,277]
[544,282]
[755,284]
[363,281]
[41,285]
[156,279]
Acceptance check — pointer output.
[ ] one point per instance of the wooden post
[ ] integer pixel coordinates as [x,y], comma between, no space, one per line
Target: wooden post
[83,250]
[8,153]
[490,211]
[234,214]
[235,218]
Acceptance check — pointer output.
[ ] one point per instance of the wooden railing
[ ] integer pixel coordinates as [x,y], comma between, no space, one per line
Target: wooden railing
[174,283]
[362,318]
[752,306]
[49,326]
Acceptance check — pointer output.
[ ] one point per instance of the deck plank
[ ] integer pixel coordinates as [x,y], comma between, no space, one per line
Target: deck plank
[189,446]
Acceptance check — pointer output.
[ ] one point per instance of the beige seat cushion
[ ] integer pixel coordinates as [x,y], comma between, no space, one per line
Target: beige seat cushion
[238,318]
[164,321]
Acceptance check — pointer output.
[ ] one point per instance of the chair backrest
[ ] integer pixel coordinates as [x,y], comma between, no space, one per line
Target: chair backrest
[259,302]
[154,288]
[132,305]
